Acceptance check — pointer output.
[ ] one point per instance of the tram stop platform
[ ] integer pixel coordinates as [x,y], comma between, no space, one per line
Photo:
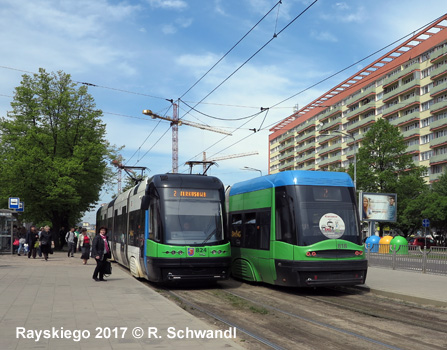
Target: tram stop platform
[56,304]
[410,286]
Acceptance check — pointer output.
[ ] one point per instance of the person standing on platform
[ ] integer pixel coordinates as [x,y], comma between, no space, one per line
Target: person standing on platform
[46,242]
[32,239]
[101,252]
[70,239]
[84,245]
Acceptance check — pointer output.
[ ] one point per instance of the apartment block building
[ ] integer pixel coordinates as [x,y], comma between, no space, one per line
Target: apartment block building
[407,86]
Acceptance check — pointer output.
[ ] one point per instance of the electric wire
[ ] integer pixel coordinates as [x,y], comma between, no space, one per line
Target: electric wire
[234,46]
[259,50]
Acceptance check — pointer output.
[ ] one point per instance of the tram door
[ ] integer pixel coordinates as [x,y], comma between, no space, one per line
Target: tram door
[124,237]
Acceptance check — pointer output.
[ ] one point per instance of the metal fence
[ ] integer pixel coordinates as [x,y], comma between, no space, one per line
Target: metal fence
[403,257]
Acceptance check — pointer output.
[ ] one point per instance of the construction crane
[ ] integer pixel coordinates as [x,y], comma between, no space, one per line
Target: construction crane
[175,122]
[231,156]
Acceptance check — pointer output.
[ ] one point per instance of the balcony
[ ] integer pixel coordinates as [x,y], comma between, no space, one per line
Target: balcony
[326,126]
[412,148]
[416,83]
[437,55]
[286,155]
[436,73]
[411,133]
[438,107]
[331,113]
[401,105]
[361,123]
[403,120]
[361,109]
[438,89]
[438,142]
[397,76]
[329,161]
[370,91]
[438,124]
[330,148]
[438,159]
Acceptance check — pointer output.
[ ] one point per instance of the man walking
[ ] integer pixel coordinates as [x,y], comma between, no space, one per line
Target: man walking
[70,239]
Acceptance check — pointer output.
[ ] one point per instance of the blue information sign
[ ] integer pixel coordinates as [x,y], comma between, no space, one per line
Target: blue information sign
[426,223]
[14,203]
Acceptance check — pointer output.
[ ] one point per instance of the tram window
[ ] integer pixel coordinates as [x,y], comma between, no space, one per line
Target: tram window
[236,230]
[250,231]
[285,231]
[264,229]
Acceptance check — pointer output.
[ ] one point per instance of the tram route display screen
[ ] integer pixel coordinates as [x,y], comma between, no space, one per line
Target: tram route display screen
[189,193]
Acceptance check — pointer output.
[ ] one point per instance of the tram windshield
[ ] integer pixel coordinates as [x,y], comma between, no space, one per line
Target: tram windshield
[311,214]
[193,222]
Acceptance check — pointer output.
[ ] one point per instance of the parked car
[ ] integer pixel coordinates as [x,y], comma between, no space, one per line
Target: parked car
[422,241]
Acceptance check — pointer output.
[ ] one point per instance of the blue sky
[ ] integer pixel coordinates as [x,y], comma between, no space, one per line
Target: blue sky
[140,53]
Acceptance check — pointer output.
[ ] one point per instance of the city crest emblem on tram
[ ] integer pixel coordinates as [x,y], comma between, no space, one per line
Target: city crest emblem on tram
[190,251]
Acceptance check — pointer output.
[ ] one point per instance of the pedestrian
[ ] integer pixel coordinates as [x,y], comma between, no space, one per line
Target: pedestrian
[84,245]
[32,239]
[101,252]
[21,234]
[70,239]
[46,242]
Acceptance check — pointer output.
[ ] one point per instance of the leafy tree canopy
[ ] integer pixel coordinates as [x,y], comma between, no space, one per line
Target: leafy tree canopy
[383,166]
[53,149]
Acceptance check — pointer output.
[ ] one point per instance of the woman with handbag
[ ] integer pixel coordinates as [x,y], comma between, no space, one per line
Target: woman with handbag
[101,252]
[46,242]
[84,245]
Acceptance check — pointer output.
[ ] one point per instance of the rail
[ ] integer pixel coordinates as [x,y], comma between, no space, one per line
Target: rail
[402,257]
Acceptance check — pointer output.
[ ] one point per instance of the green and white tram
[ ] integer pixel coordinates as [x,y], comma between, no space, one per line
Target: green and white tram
[297,228]
[170,227]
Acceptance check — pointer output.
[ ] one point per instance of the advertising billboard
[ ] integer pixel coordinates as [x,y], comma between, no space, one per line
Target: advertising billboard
[378,206]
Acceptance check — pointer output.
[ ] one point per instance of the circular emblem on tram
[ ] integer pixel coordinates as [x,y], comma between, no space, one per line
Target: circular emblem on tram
[332,225]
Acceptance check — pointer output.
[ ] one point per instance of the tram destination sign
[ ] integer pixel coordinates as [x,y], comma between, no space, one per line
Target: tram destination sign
[186,193]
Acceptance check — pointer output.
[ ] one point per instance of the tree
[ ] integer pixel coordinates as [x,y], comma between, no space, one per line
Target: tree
[53,149]
[383,166]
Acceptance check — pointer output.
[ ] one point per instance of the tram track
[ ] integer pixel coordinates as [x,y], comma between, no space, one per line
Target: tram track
[307,320]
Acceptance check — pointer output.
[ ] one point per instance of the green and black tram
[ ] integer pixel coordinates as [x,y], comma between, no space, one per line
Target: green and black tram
[170,227]
[297,228]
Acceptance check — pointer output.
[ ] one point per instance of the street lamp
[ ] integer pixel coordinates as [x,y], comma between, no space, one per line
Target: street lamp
[355,153]
[251,169]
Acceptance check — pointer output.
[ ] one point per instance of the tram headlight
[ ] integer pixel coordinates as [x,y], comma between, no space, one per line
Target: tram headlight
[219,252]
[213,252]
[173,252]
[180,252]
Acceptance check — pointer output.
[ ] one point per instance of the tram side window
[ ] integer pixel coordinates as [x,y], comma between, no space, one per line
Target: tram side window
[250,231]
[263,222]
[236,230]
[154,231]
[285,231]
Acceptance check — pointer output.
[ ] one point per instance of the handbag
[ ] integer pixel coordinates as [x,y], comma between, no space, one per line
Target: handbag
[16,242]
[107,268]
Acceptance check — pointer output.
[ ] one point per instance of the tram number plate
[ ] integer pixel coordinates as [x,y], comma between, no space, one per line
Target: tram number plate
[342,246]
[200,250]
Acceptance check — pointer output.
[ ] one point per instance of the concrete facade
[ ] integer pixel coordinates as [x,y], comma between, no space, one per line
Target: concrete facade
[407,86]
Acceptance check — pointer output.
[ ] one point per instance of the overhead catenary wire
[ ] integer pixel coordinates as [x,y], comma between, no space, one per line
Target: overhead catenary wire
[253,55]
[231,49]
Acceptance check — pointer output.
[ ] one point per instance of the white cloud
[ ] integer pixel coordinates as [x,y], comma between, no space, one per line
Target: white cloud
[323,36]
[169,4]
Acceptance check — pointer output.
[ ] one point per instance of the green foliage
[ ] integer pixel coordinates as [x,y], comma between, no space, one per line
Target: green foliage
[383,166]
[53,149]
[431,204]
